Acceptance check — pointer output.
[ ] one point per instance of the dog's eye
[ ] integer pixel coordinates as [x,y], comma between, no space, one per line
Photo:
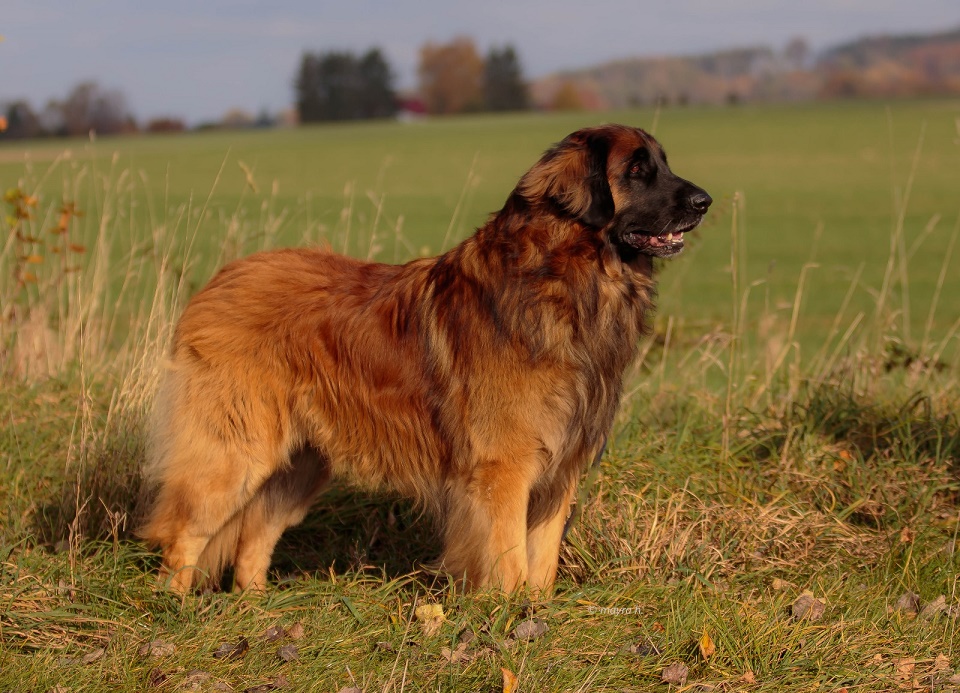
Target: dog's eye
[635,170]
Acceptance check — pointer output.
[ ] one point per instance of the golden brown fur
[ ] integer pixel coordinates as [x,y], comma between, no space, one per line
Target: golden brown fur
[479,383]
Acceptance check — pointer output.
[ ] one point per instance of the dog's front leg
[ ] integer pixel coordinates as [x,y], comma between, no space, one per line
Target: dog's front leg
[485,526]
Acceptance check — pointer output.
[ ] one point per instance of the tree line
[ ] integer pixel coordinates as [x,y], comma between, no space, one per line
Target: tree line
[333,85]
[452,78]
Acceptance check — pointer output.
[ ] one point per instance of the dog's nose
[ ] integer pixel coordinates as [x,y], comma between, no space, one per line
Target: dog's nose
[700,201]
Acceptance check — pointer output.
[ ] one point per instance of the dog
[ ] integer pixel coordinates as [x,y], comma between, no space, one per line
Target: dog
[480,383]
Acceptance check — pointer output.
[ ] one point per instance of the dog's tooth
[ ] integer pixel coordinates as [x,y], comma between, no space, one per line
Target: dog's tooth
[669,236]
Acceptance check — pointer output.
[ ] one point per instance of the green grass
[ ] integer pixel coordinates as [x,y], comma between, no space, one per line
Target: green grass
[777,436]
[823,184]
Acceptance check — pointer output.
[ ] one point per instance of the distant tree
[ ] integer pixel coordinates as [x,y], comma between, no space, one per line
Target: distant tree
[88,108]
[451,76]
[378,98]
[237,119]
[503,85]
[339,86]
[567,98]
[166,124]
[22,121]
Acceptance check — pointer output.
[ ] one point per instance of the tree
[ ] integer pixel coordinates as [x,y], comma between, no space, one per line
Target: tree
[567,98]
[503,85]
[378,98]
[91,108]
[22,121]
[451,76]
[339,86]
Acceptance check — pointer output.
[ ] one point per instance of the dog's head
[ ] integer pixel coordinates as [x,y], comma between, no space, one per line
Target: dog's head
[615,179]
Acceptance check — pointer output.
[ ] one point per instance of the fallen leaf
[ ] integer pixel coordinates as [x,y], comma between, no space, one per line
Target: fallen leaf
[510,682]
[92,657]
[705,643]
[941,662]
[748,677]
[908,603]
[350,689]
[458,655]
[274,633]
[954,680]
[675,673]
[779,584]
[531,629]
[643,649]
[431,618]
[157,648]
[279,682]
[228,651]
[288,653]
[907,535]
[937,606]
[806,606]
[904,667]
[466,637]
[196,680]
[295,632]
[156,677]
[196,675]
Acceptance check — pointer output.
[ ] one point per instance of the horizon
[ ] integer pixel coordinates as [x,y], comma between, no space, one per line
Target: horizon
[198,62]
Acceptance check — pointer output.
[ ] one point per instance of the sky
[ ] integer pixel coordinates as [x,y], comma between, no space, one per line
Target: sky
[197,59]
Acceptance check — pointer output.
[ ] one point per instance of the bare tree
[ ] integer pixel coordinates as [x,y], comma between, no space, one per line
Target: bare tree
[91,108]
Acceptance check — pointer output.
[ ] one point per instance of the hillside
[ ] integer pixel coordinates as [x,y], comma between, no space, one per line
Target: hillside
[904,65]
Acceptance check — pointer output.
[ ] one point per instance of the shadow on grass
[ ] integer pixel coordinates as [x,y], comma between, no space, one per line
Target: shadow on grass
[347,530]
[870,461]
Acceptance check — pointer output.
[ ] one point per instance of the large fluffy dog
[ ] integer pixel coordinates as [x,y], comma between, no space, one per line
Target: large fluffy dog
[480,383]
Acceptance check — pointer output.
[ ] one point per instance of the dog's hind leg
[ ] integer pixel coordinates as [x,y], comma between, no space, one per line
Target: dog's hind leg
[193,519]
[204,482]
[282,501]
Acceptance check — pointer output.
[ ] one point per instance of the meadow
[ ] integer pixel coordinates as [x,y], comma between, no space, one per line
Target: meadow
[778,507]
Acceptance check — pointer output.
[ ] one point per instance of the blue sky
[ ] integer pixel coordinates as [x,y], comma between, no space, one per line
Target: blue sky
[196,59]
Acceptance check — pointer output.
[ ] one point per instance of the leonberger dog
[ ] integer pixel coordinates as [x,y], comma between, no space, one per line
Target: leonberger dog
[480,383]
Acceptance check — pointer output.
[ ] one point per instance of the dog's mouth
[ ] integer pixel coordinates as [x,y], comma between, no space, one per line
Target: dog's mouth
[664,244]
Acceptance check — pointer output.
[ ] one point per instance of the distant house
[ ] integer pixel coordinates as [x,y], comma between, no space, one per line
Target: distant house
[411,108]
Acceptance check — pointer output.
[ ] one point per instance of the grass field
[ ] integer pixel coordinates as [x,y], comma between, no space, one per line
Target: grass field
[790,429]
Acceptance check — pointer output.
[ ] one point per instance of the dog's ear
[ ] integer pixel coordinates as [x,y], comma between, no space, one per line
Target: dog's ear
[573,176]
